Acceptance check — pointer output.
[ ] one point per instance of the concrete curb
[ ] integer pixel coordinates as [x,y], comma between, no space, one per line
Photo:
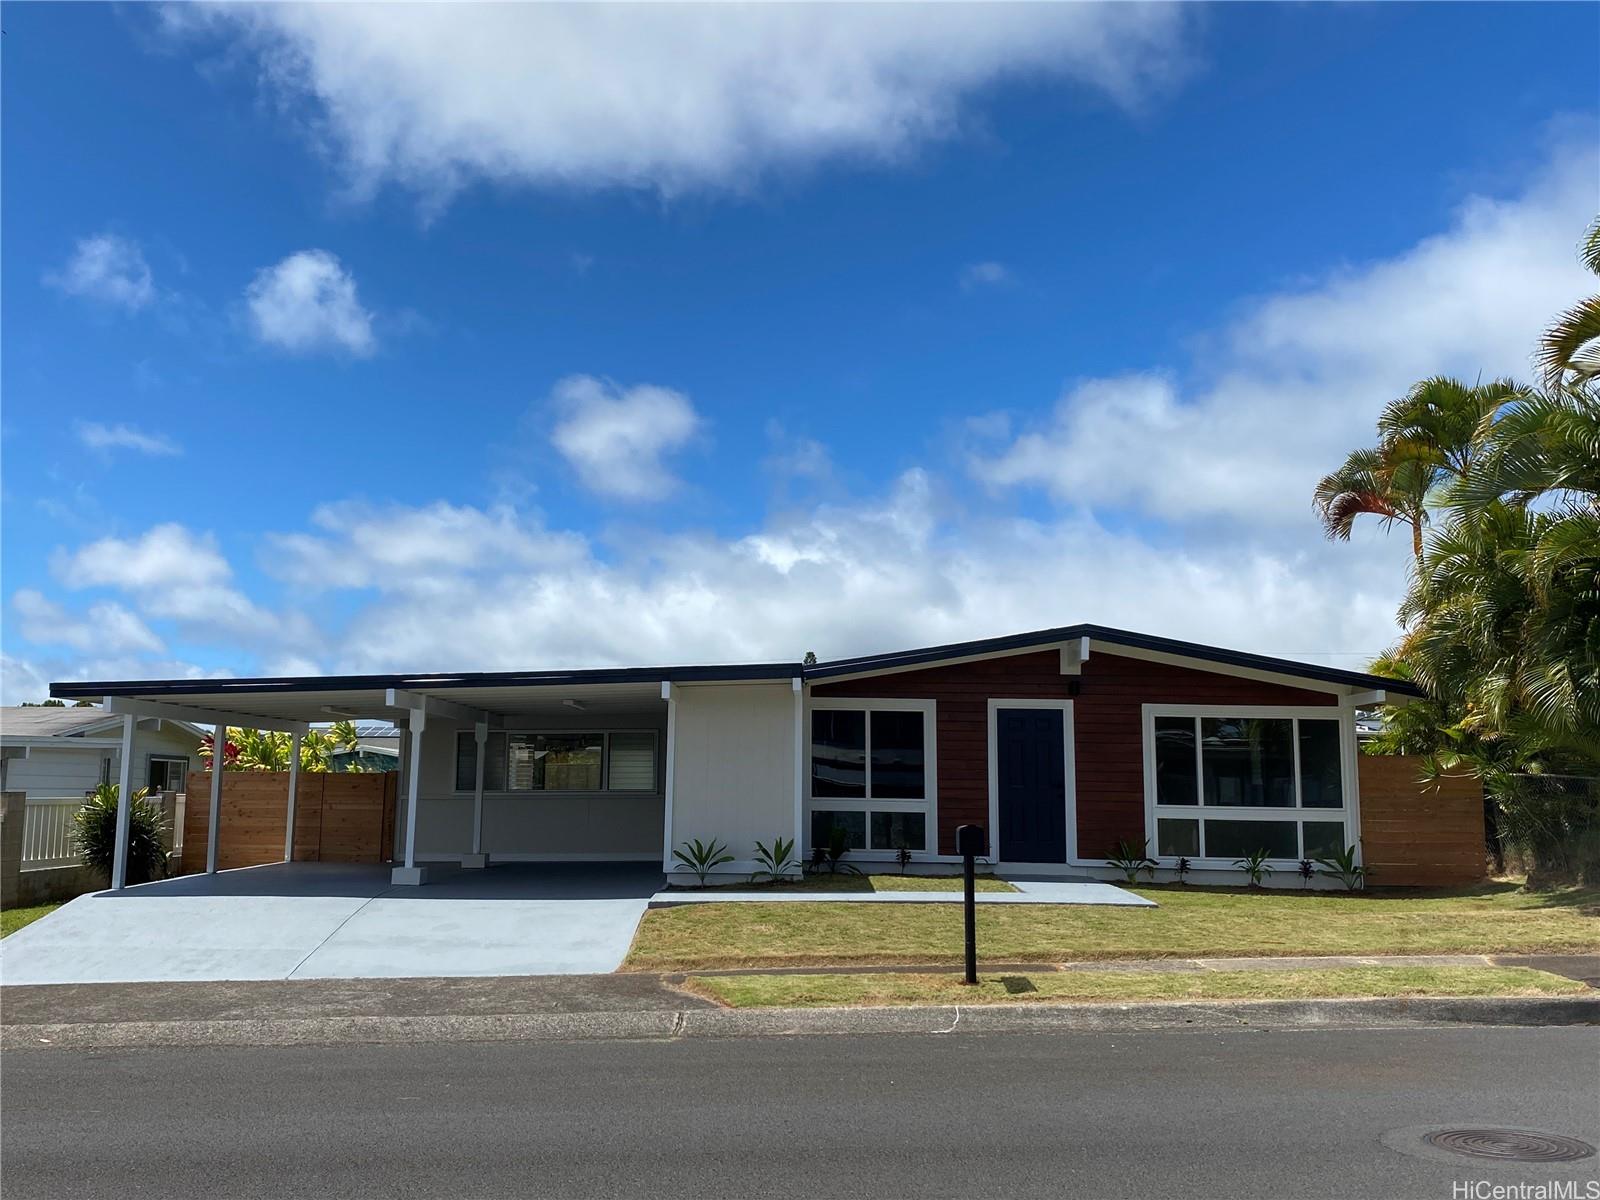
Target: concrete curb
[726,1023]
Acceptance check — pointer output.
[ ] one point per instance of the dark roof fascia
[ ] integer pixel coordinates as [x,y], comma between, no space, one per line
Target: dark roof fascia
[1119,637]
[864,665]
[288,685]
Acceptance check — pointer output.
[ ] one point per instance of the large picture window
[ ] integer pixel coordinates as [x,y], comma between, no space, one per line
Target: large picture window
[872,774]
[1225,784]
[622,760]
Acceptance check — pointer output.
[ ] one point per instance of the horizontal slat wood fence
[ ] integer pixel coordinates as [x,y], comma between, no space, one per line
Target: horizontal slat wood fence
[1415,834]
[338,817]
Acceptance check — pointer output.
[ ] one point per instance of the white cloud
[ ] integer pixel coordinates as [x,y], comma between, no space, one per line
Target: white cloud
[22,681]
[106,438]
[106,628]
[985,274]
[670,97]
[308,302]
[109,269]
[911,567]
[1299,378]
[172,573]
[615,438]
[411,549]
[30,678]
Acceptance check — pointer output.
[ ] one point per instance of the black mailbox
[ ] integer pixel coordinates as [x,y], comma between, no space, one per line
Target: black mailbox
[970,840]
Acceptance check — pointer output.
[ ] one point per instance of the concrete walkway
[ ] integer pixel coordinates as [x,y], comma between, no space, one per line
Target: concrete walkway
[1029,891]
[339,921]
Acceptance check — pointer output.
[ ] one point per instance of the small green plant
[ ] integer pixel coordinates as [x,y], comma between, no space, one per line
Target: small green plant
[1344,867]
[829,859]
[1255,866]
[1308,871]
[1183,866]
[902,855]
[776,860]
[94,830]
[702,857]
[1131,859]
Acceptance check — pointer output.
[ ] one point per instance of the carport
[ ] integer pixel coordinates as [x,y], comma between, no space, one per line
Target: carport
[502,767]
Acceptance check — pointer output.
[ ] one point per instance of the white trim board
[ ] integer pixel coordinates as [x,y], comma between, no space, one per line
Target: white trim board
[1069,763]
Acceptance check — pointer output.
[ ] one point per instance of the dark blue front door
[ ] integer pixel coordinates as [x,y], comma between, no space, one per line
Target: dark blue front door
[1032,781]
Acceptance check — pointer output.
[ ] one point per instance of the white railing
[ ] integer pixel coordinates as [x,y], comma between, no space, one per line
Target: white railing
[47,832]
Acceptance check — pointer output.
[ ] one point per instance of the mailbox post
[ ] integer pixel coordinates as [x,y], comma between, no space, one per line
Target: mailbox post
[970,842]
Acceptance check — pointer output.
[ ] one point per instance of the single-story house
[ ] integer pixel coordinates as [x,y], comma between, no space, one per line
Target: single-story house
[59,753]
[1061,743]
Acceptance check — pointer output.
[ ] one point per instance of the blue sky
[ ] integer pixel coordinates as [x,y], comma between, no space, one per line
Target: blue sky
[357,338]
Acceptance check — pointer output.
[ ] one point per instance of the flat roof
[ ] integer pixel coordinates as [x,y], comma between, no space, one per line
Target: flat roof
[282,692]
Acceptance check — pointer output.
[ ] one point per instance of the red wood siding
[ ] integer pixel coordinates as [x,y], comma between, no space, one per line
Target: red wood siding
[1106,720]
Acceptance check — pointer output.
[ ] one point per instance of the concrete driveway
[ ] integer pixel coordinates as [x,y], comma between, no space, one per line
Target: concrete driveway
[338,921]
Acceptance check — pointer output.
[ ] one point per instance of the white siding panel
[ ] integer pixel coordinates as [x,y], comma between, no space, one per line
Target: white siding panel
[57,771]
[733,766]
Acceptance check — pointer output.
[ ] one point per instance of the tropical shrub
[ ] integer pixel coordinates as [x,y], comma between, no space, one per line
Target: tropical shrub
[268,750]
[1131,859]
[902,855]
[702,858]
[1182,868]
[776,860]
[1255,866]
[829,858]
[94,830]
[1344,867]
[1308,871]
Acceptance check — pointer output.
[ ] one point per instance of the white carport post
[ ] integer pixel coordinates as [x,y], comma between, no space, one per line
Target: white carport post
[294,786]
[219,748]
[136,707]
[119,856]
[800,763]
[420,707]
[478,859]
[410,873]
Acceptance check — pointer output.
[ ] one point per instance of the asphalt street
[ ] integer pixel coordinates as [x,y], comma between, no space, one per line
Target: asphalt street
[1184,1113]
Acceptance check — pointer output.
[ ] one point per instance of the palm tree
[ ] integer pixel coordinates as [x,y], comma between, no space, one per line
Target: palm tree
[1569,352]
[1428,440]
[1372,483]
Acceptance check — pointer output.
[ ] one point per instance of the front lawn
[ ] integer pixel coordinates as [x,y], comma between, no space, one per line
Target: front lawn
[13,919]
[835,991]
[1189,922]
[891,883]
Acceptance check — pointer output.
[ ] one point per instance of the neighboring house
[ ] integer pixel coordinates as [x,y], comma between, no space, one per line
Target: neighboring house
[1061,743]
[58,753]
[377,748]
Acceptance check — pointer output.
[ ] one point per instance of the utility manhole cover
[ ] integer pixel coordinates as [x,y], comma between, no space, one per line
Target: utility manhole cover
[1509,1145]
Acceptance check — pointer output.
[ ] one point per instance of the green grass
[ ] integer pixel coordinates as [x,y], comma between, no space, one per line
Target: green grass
[1189,922]
[893,883]
[13,919]
[836,991]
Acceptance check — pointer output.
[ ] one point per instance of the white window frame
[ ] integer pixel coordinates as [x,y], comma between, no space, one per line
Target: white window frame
[927,805]
[604,789]
[168,758]
[1348,814]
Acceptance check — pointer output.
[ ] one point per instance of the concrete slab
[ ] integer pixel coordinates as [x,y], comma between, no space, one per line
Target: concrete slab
[1030,891]
[328,920]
